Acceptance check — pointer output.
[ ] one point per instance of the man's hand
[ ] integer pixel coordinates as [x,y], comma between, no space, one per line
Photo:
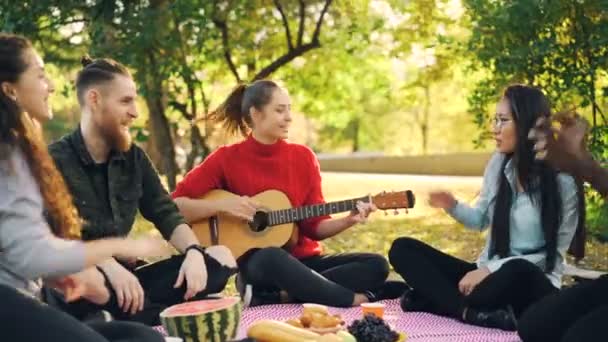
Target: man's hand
[88,284]
[71,288]
[129,293]
[95,287]
[194,272]
[564,147]
[361,212]
[470,280]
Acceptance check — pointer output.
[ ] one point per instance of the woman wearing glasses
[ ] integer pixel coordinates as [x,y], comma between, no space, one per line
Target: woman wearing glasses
[532,212]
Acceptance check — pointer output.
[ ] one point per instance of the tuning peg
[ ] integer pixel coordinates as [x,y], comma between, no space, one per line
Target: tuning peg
[396,212]
[385,213]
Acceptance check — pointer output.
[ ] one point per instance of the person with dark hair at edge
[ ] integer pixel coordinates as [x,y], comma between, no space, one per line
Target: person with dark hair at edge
[111,179]
[577,313]
[265,160]
[38,259]
[532,211]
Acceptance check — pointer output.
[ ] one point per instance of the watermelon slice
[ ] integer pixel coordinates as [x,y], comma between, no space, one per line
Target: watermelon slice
[211,320]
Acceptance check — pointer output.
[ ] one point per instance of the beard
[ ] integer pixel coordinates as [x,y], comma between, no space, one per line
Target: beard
[119,139]
[115,135]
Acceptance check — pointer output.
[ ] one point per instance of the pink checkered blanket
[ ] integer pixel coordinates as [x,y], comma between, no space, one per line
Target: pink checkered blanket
[419,327]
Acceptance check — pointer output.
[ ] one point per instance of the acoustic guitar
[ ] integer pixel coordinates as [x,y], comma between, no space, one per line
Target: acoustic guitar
[274,225]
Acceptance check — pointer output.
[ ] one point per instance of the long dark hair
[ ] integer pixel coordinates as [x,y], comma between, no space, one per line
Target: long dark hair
[537,178]
[233,113]
[18,130]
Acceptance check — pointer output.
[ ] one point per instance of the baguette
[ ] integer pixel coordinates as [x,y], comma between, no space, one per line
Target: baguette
[275,331]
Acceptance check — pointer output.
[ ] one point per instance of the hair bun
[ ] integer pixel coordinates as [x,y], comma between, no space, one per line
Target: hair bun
[86,60]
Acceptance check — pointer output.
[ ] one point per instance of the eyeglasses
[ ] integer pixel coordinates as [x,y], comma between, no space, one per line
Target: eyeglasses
[499,122]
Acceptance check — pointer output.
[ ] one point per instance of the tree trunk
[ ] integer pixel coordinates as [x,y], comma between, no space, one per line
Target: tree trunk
[161,144]
[356,128]
[593,105]
[424,125]
[198,140]
[199,147]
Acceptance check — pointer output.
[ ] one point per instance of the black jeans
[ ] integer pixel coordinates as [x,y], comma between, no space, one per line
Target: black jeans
[435,275]
[157,280]
[577,313]
[25,319]
[331,279]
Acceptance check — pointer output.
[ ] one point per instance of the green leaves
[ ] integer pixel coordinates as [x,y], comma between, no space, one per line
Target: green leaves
[553,44]
[561,46]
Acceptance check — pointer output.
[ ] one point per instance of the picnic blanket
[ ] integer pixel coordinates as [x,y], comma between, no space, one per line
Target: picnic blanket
[419,326]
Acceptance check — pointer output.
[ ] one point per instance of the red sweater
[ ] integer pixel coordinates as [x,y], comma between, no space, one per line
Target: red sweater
[250,167]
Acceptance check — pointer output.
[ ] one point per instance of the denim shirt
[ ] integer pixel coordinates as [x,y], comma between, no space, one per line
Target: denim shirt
[527,239]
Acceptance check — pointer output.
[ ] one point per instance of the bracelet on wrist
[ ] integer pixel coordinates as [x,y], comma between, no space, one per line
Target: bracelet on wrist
[196,247]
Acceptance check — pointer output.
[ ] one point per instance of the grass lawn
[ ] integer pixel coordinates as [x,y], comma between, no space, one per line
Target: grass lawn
[423,222]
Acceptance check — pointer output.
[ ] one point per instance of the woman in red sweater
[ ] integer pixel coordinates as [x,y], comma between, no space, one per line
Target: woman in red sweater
[261,111]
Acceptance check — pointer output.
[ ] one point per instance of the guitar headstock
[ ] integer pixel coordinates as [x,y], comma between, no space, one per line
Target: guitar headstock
[394,200]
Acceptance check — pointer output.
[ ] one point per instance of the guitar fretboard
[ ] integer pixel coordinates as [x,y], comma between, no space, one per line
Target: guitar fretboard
[284,216]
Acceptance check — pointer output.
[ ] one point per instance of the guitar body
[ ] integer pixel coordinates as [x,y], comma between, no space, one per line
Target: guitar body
[236,234]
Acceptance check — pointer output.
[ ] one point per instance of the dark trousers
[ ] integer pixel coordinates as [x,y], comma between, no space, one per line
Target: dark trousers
[578,313]
[25,319]
[157,280]
[435,275]
[331,279]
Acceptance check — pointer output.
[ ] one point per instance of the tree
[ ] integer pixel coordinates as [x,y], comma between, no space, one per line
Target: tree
[178,49]
[426,36]
[368,86]
[345,86]
[561,46]
[558,45]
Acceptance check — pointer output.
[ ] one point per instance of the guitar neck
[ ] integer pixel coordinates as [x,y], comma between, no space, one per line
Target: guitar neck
[278,217]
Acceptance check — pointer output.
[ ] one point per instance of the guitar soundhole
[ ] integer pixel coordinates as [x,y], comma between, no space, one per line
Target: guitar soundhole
[260,222]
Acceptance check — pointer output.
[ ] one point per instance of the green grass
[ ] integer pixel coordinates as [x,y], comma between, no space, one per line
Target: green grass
[423,222]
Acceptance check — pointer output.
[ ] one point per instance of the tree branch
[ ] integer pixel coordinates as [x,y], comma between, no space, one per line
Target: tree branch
[56,24]
[227,55]
[277,4]
[599,110]
[180,107]
[185,73]
[205,100]
[297,51]
[302,22]
[315,36]
[206,105]
[286,58]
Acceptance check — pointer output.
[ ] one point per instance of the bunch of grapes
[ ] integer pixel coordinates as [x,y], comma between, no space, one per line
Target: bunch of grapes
[372,329]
